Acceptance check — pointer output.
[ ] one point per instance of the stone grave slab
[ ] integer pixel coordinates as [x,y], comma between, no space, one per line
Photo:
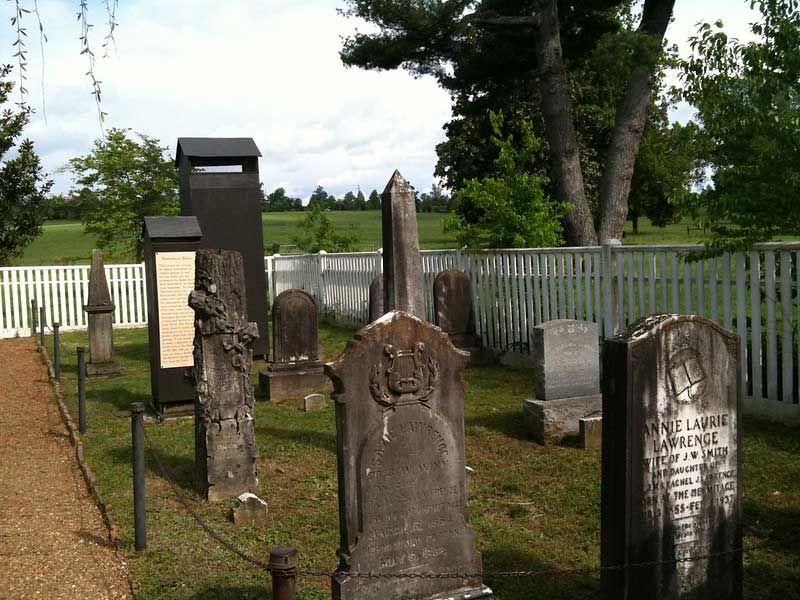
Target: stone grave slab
[566,359]
[399,396]
[671,461]
[453,312]
[566,366]
[295,367]
[225,443]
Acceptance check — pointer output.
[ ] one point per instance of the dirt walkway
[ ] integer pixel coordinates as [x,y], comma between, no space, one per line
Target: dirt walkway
[52,540]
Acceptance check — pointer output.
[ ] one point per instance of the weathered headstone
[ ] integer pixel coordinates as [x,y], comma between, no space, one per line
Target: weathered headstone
[228,208]
[399,397]
[402,264]
[169,247]
[249,509]
[376,299]
[295,367]
[452,311]
[100,312]
[225,444]
[671,461]
[313,402]
[591,432]
[566,379]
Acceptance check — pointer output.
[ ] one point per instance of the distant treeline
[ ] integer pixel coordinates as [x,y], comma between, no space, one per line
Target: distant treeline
[278,201]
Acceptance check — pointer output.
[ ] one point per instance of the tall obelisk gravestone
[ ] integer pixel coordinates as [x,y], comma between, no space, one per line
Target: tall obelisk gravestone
[100,311]
[402,265]
[671,497]
[399,394]
[225,444]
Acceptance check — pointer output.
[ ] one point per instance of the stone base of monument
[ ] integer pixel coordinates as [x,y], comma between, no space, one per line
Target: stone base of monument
[104,368]
[591,433]
[550,422]
[278,384]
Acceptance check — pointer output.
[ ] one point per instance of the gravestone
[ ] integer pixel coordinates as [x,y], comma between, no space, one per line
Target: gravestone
[671,461]
[453,312]
[566,379]
[402,264]
[295,368]
[399,395]
[169,247]
[228,208]
[225,444]
[249,509]
[376,299]
[100,312]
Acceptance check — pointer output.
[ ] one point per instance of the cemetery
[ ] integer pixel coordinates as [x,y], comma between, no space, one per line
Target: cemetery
[421,473]
[526,407]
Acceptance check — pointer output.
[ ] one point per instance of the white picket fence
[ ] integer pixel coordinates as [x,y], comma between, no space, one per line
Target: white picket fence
[513,290]
[63,291]
[754,293]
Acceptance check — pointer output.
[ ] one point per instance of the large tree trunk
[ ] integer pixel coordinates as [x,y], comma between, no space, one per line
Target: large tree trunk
[557,114]
[615,185]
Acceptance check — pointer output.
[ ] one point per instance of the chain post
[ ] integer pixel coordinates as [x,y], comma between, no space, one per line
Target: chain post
[56,351]
[42,325]
[34,316]
[283,567]
[137,434]
[82,389]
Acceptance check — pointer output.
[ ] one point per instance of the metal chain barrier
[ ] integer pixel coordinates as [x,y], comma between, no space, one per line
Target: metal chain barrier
[371,575]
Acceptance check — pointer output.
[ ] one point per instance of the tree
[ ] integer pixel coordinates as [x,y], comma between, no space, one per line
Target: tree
[121,181]
[513,209]
[374,202]
[278,201]
[523,40]
[23,185]
[435,201]
[319,197]
[317,232]
[361,201]
[63,206]
[747,97]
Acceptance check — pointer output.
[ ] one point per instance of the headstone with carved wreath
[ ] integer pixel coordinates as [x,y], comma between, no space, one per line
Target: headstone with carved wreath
[399,396]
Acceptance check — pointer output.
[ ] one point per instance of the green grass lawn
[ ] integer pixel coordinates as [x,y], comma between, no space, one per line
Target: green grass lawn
[532,508]
[63,242]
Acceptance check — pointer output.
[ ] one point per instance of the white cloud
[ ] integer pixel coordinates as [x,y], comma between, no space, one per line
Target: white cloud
[269,69]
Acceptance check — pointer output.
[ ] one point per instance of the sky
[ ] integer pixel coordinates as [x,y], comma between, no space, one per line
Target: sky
[266,69]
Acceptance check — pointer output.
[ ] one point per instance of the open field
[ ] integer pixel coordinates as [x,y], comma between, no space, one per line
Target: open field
[63,242]
[532,508]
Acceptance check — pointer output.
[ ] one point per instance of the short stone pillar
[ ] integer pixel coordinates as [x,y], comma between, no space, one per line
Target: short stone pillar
[295,368]
[452,311]
[100,313]
[225,444]
[566,380]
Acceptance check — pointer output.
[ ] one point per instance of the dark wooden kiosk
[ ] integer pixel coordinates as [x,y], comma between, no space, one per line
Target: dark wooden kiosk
[228,208]
[169,248]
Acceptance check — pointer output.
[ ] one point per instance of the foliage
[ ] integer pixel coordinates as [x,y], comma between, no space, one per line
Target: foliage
[278,201]
[317,232]
[436,201]
[511,208]
[121,181]
[374,202]
[23,207]
[63,206]
[747,97]
[487,67]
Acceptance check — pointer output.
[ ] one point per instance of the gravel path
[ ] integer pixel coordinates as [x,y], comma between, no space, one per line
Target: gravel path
[53,543]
